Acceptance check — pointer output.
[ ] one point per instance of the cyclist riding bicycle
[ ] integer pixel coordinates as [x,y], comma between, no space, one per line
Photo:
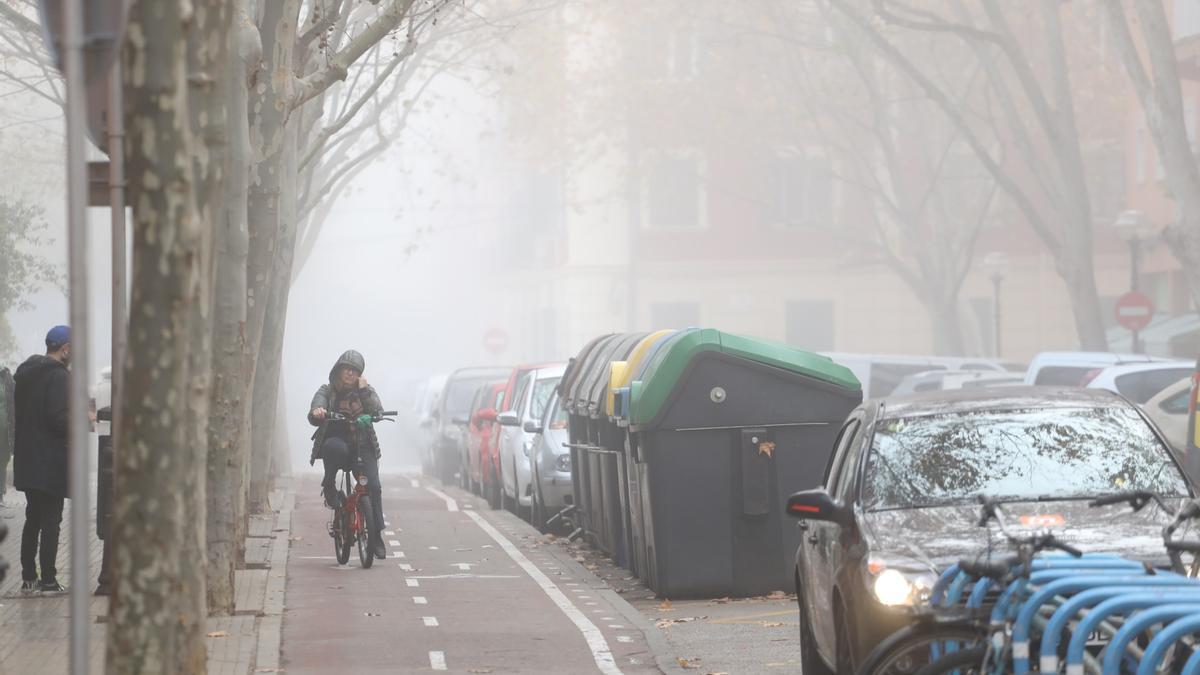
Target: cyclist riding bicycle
[339,444]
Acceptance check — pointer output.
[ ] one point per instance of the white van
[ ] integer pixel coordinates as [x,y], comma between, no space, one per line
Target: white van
[880,374]
[1070,369]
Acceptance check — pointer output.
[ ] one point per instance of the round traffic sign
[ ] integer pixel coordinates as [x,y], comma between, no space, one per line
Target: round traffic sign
[495,340]
[1134,310]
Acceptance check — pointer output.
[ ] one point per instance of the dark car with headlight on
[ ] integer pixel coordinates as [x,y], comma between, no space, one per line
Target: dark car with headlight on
[899,505]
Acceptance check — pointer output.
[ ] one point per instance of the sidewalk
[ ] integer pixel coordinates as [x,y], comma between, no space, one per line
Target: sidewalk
[34,630]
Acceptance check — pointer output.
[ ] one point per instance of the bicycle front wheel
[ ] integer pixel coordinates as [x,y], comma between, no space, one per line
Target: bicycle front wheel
[913,648]
[366,555]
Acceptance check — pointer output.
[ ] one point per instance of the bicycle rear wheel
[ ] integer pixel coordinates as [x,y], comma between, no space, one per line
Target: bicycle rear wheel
[366,555]
[910,649]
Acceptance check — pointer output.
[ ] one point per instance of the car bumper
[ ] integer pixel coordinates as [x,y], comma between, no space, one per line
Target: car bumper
[556,490]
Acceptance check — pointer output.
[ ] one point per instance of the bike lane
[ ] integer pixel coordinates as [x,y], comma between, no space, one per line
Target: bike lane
[463,590]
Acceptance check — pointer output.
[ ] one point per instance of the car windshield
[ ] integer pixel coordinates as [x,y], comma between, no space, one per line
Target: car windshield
[1015,454]
[460,394]
[558,414]
[543,389]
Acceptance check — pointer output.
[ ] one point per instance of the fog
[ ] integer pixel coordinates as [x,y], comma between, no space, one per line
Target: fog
[763,167]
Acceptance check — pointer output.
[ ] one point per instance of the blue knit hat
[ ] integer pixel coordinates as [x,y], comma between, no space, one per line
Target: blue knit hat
[57,337]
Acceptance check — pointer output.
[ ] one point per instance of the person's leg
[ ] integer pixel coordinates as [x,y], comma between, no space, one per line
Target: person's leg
[51,524]
[29,535]
[334,456]
[375,489]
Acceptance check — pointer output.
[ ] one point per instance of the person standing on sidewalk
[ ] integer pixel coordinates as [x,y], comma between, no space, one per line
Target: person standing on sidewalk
[7,427]
[40,457]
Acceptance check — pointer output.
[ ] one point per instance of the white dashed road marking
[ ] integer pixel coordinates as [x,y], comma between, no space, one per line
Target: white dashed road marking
[411,583]
[406,567]
[437,660]
[466,567]
[418,600]
[451,505]
[430,621]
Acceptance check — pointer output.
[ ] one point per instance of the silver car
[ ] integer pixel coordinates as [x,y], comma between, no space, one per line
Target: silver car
[552,489]
[518,426]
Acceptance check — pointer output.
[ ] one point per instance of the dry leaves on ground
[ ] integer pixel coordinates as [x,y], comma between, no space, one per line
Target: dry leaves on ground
[719,601]
[217,633]
[667,623]
[771,624]
[688,664]
[665,606]
[777,595]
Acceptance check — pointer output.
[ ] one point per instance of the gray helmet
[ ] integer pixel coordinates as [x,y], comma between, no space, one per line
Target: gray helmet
[349,358]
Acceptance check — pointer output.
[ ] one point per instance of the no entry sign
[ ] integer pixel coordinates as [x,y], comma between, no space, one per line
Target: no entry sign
[495,340]
[1134,311]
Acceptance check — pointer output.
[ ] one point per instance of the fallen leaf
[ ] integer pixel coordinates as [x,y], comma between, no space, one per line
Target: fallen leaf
[371,614]
[667,623]
[296,539]
[270,670]
[777,595]
[217,633]
[718,601]
[665,606]
[771,624]
[480,670]
[688,664]
[766,448]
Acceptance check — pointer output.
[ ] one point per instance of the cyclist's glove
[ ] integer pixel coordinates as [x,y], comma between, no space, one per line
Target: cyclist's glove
[364,421]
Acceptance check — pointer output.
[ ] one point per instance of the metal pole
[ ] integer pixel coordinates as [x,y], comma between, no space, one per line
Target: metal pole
[996,280]
[77,250]
[120,318]
[1134,255]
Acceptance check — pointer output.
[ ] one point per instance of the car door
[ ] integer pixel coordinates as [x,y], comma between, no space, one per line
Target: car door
[512,438]
[820,538]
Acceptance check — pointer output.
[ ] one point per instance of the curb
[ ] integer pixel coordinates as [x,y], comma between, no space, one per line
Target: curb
[268,655]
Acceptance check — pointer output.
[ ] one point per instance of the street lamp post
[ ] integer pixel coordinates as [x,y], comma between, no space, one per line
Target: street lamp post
[996,266]
[1134,228]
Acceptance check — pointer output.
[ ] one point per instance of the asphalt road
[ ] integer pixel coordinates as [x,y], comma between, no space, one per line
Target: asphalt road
[464,590]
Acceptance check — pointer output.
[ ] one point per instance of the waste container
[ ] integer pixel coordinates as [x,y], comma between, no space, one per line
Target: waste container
[722,429]
[577,428]
[594,455]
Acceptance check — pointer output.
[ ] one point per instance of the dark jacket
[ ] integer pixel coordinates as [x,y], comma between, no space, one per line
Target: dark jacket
[8,415]
[40,452]
[328,397]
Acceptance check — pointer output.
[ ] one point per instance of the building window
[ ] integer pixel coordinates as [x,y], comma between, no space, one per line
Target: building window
[1187,18]
[809,325]
[674,315]
[673,198]
[801,190]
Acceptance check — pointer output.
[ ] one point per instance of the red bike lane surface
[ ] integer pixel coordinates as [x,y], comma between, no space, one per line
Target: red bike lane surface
[449,597]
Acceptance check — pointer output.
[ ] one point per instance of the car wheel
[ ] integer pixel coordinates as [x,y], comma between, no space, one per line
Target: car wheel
[537,514]
[810,661]
[523,512]
[845,657]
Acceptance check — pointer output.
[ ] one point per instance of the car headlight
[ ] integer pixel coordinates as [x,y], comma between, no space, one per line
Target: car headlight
[563,463]
[898,588]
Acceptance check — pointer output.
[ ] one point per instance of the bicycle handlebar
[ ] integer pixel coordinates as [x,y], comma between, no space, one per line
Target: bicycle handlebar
[1137,500]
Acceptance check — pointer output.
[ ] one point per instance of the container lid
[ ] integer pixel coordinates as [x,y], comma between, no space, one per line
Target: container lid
[651,390]
[623,371]
[581,367]
[599,380]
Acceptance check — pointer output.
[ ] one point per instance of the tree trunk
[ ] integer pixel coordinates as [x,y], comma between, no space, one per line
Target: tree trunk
[270,107]
[270,355]
[157,617]
[226,484]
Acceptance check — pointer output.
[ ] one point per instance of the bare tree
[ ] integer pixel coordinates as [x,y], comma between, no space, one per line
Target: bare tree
[1033,150]
[1154,72]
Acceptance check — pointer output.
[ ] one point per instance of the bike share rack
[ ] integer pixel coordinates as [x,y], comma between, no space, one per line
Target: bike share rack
[1125,598]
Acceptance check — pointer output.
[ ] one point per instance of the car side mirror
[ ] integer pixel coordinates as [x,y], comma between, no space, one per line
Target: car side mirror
[532,427]
[483,416]
[817,504]
[508,419]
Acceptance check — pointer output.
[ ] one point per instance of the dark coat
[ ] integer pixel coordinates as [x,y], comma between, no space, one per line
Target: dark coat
[40,452]
[327,397]
[8,416]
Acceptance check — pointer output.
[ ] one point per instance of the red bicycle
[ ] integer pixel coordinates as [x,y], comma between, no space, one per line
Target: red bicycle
[352,521]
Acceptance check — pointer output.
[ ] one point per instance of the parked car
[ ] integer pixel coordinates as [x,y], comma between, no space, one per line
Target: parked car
[490,473]
[899,499]
[1071,369]
[424,411]
[451,416]
[518,425]
[1140,382]
[479,434]
[947,380]
[1169,410]
[880,374]
[552,488]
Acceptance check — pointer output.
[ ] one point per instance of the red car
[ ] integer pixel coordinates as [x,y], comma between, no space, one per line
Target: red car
[490,475]
[484,409]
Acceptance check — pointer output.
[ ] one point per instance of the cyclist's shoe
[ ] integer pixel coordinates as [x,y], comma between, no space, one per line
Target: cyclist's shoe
[51,587]
[378,548]
[333,497]
[28,587]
